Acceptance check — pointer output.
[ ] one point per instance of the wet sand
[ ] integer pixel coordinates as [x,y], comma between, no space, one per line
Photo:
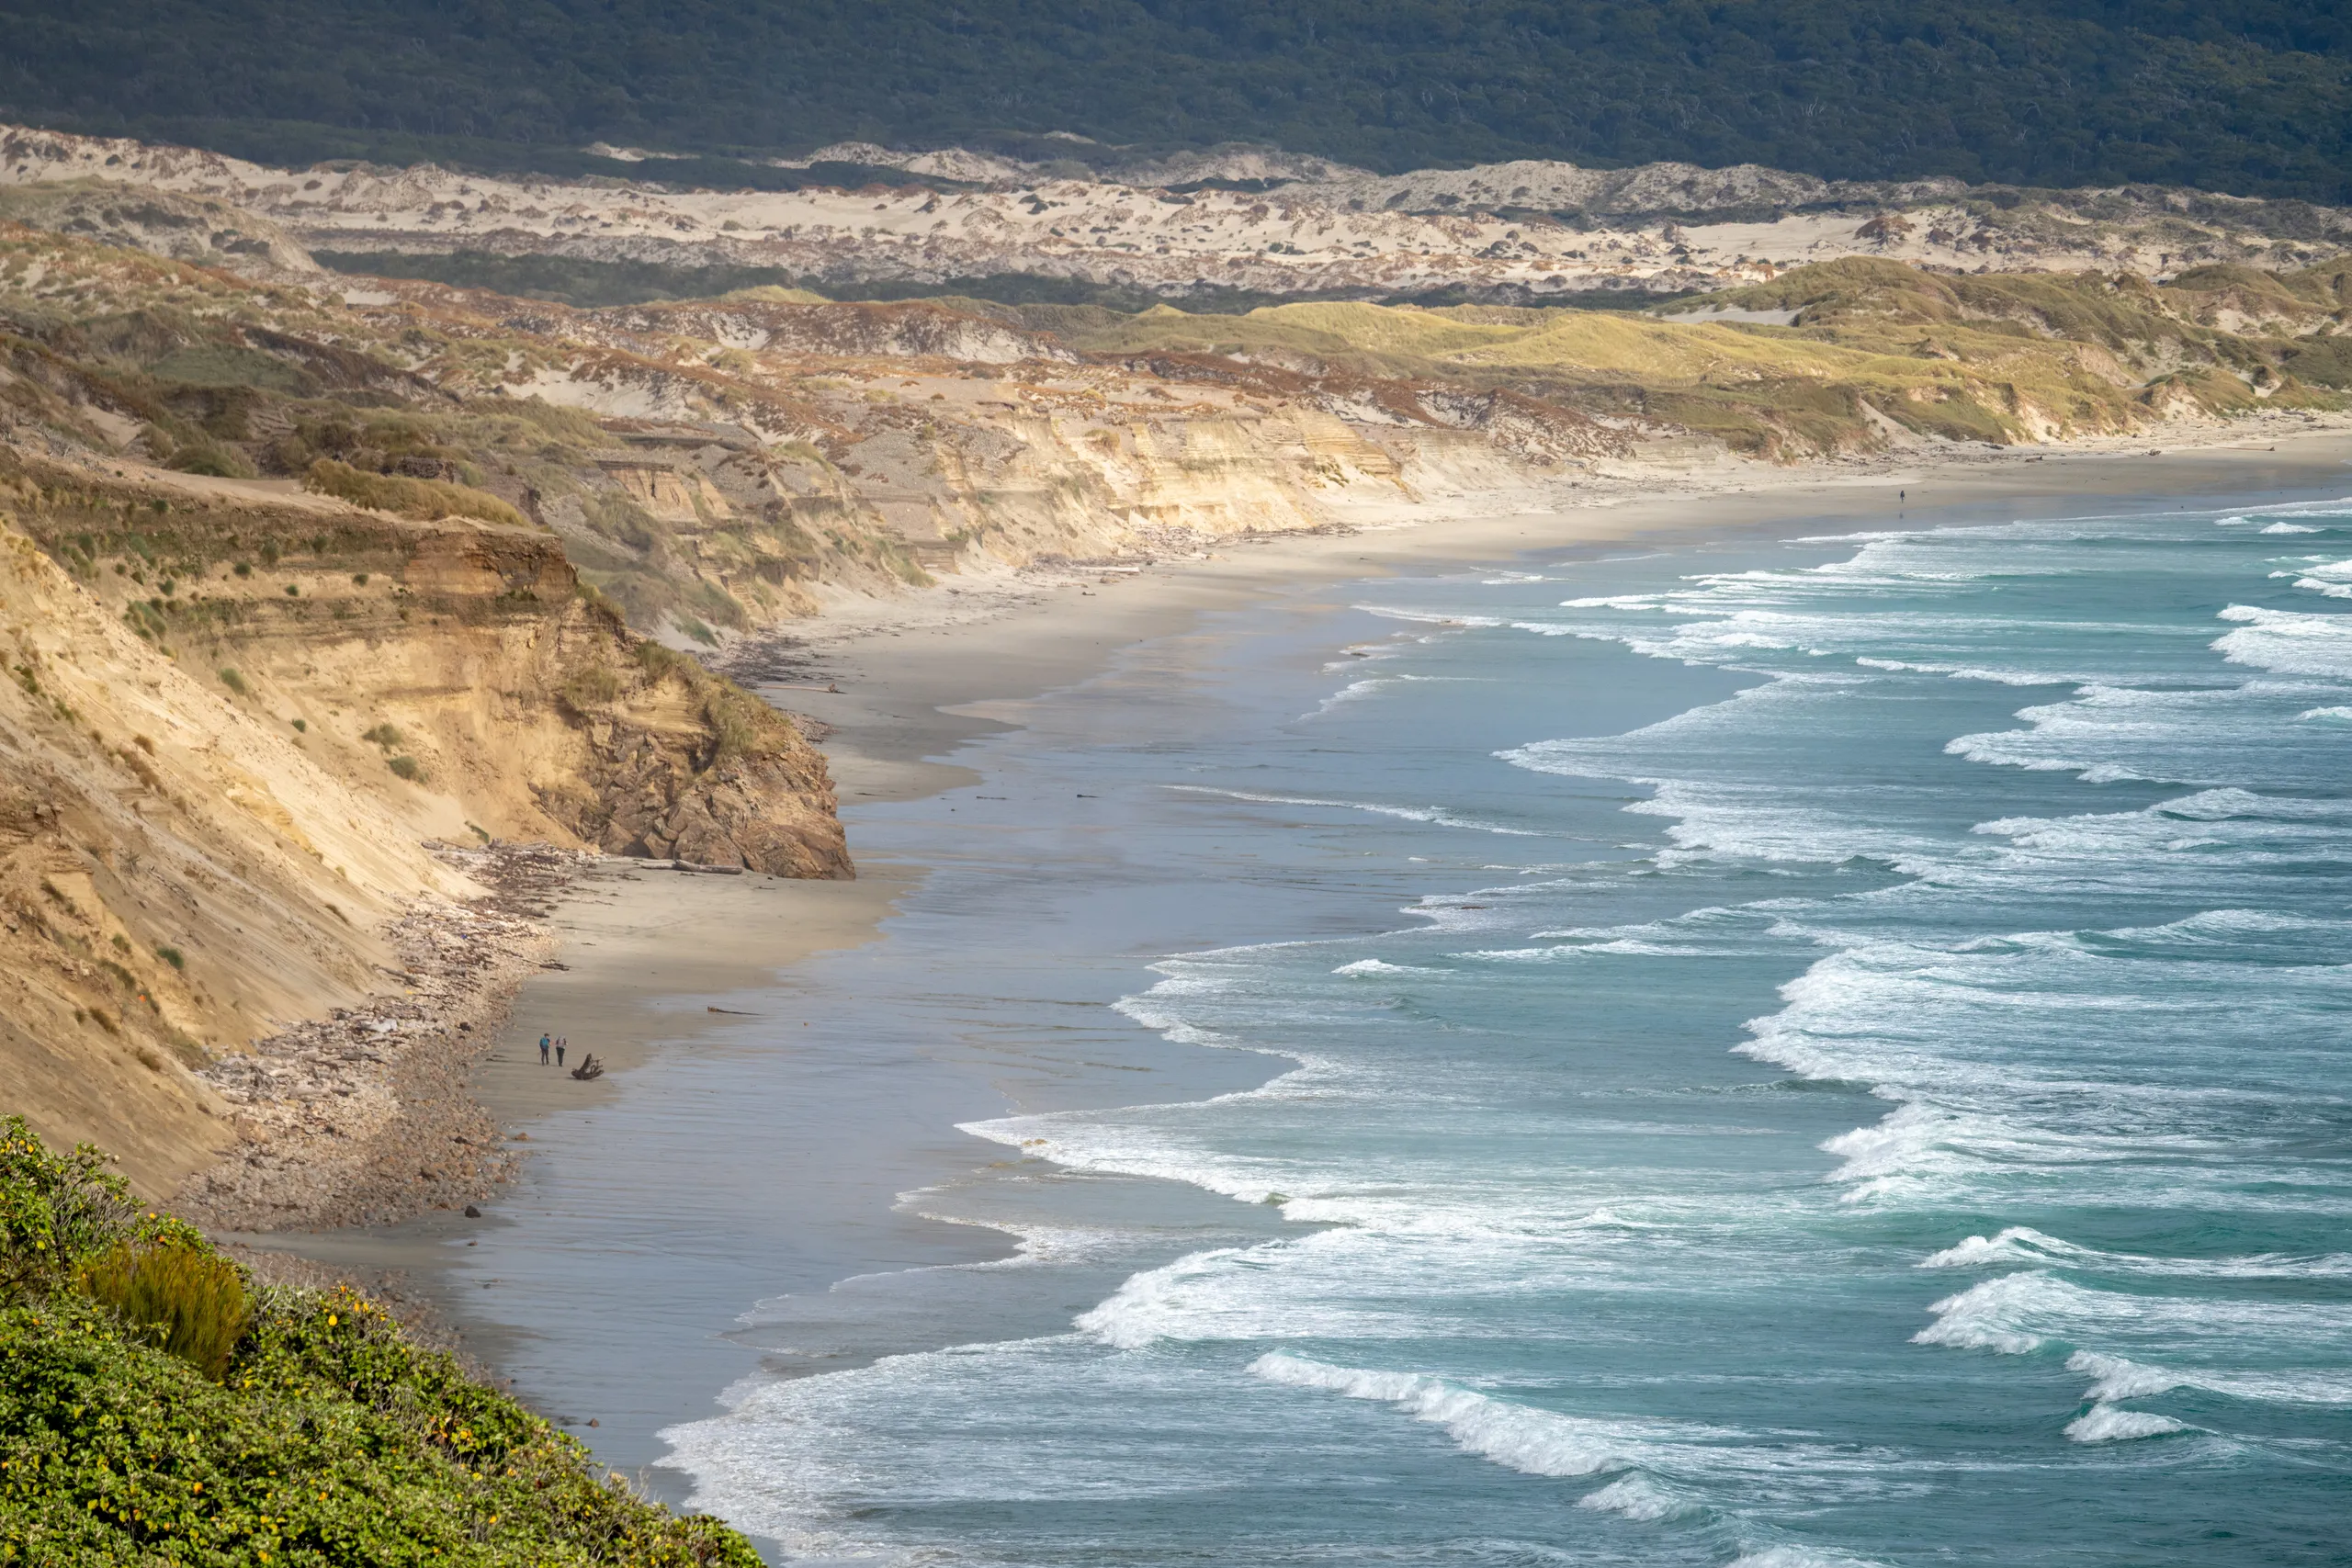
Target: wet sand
[900,684]
[860,1121]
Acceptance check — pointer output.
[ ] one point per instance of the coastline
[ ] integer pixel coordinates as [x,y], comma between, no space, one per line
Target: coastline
[650,952]
[362,1117]
[1039,630]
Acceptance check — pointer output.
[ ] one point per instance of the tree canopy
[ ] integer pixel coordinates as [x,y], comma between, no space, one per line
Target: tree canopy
[2252,96]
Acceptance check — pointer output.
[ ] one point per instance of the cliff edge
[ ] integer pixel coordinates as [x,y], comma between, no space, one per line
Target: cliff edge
[235,717]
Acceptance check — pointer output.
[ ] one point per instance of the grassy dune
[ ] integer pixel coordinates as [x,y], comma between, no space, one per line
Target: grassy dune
[1870,344]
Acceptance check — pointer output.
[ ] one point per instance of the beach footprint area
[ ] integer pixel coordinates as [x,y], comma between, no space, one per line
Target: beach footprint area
[1798,1051]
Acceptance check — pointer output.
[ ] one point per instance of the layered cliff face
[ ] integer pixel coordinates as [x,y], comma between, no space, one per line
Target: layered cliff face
[305,572]
[233,719]
[722,466]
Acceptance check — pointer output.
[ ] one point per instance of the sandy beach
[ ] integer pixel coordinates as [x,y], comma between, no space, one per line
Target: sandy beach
[657,965]
[1100,789]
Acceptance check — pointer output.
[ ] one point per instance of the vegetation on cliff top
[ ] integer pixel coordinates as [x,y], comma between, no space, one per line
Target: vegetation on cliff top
[2251,96]
[426,499]
[414,410]
[413,405]
[1867,344]
[322,1438]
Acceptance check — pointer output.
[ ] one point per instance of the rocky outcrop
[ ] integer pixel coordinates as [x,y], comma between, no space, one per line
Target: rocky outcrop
[680,763]
[728,816]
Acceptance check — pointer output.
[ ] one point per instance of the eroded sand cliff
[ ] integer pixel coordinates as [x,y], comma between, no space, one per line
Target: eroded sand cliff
[306,574]
[235,720]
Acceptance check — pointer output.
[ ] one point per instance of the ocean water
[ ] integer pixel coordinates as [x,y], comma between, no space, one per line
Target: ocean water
[1822,1052]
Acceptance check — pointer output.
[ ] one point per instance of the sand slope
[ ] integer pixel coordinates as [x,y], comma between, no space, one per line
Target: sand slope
[218,783]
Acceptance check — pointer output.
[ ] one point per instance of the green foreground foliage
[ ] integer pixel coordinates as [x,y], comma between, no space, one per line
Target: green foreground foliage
[320,1436]
[187,1304]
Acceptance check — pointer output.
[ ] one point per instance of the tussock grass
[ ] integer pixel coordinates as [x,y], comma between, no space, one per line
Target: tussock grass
[741,724]
[1996,357]
[425,499]
[187,1302]
[593,687]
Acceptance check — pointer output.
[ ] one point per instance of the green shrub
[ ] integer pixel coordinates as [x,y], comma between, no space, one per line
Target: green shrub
[146,620]
[657,660]
[59,1211]
[173,956]
[187,1302]
[233,681]
[219,462]
[165,1413]
[424,499]
[598,684]
[408,767]
[332,1443]
[383,735]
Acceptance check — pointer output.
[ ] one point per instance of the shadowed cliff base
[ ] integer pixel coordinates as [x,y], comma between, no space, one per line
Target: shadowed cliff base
[587,283]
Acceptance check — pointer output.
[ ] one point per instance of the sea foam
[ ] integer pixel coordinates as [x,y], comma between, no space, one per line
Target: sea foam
[1536,1442]
[2106,1423]
[2292,642]
[1636,1496]
[1798,1557]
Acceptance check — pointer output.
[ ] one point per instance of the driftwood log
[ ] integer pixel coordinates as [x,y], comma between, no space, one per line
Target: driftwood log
[589,1069]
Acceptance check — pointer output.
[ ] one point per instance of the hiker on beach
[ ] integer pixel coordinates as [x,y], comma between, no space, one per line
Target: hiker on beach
[559,1049]
[545,1040]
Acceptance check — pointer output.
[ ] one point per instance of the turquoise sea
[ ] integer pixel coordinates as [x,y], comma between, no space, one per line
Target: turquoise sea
[1816,1052]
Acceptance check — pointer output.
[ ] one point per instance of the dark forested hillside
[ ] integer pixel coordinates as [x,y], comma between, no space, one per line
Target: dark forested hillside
[2248,95]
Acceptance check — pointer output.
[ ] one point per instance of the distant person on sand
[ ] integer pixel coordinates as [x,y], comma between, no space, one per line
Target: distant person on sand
[559,1049]
[544,1041]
